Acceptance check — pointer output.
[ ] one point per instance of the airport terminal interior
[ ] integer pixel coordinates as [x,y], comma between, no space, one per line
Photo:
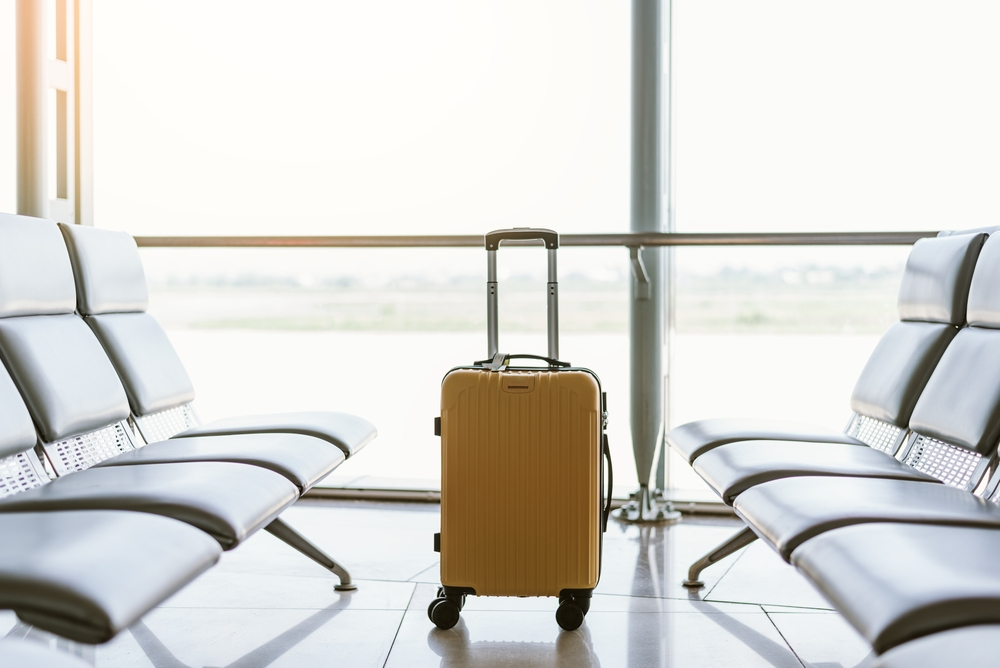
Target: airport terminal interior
[535,333]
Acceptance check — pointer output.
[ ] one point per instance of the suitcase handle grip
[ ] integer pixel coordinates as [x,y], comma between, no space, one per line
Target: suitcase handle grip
[611,483]
[505,359]
[549,237]
[551,241]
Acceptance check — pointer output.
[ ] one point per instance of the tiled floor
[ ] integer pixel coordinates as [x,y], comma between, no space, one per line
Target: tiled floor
[266,605]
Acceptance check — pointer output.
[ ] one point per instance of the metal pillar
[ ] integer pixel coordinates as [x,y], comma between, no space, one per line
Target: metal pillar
[68,75]
[648,291]
[32,119]
[83,130]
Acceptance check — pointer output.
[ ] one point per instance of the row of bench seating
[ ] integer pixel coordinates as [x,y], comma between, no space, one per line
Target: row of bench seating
[98,526]
[895,520]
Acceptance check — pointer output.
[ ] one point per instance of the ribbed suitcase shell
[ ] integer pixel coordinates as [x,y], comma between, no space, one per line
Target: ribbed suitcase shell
[521,481]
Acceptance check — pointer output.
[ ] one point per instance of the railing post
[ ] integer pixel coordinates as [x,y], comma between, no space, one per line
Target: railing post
[649,180]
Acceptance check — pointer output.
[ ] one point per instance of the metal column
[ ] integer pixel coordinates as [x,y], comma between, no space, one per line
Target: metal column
[68,198]
[83,130]
[32,119]
[649,178]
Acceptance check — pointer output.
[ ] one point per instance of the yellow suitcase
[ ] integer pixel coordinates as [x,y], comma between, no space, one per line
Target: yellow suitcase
[523,507]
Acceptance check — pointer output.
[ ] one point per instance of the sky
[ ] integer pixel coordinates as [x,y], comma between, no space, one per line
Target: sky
[461,116]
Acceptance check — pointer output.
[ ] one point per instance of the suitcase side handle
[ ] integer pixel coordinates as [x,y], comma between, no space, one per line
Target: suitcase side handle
[551,241]
[611,482]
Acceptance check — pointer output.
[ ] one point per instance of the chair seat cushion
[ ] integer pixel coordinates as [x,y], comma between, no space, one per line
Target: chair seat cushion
[88,574]
[227,501]
[694,439]
[304,460]
[785,513]
[897,582]
[972,647]
[734,468]
[348,432]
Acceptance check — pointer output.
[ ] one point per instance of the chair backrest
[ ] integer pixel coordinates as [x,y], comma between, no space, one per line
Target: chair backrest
[989,229]
[69,386]
[112,297]
[20,468]
[932,302]
[955,423]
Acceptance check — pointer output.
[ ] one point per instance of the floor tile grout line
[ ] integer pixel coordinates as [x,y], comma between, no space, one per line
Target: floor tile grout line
[321,577]
[680,598]
[783,638]
[272,609]
[402,618]
[410,579]
[794,609]
[731,565]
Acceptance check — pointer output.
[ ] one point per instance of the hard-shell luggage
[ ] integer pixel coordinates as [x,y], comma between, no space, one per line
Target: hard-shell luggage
[523,508]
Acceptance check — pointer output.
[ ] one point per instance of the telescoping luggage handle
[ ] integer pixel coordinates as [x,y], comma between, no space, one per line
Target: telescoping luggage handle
[551,240]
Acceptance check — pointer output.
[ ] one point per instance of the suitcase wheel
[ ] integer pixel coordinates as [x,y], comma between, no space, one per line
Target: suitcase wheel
[458,599]
[569,615]
[444,613]
[582,601]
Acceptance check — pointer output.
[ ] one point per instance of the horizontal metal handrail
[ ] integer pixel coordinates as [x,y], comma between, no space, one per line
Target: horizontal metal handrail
[629,240]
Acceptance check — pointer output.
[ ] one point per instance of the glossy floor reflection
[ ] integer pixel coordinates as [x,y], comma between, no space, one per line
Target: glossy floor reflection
[265,605]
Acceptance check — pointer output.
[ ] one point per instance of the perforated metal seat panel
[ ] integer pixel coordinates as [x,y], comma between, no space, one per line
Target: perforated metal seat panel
[166,424]
[19,473]
[693,439]
[733,468]
[78,453]
[950,464]
[897,582]
[876,434]
[786,513]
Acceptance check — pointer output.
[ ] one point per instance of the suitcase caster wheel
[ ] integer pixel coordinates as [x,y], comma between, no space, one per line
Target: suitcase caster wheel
[430,608]
[569,615]
[443,613]
[582,601]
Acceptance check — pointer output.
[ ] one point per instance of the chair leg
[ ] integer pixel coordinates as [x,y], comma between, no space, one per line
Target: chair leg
[741,539]
[279,529]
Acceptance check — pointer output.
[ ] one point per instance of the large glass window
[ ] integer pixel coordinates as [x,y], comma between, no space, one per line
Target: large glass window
[448,116]
[361,118]
[857,115]
[808,116]
[343,117]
